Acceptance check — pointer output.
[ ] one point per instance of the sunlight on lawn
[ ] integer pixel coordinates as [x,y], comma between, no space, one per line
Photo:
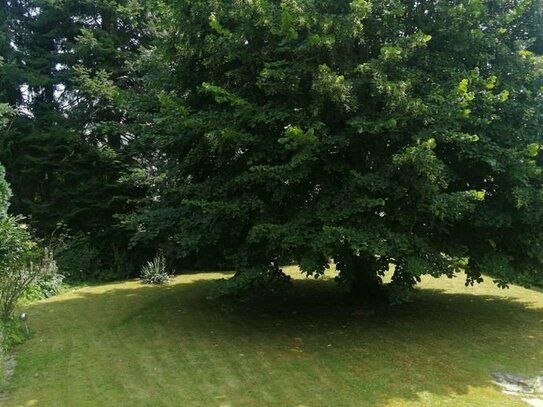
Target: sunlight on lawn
[134,345]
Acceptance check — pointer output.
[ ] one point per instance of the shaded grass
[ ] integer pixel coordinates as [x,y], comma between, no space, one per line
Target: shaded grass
[133,345]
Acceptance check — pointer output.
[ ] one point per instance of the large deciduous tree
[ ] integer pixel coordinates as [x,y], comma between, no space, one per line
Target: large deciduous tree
[369,132]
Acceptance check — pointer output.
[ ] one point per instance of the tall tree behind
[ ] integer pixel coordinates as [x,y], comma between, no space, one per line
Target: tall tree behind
[65,152]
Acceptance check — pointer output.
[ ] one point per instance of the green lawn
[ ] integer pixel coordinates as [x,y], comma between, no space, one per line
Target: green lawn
[126,344]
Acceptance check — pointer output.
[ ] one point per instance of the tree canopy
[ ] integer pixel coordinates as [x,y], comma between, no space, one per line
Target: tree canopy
[252,134]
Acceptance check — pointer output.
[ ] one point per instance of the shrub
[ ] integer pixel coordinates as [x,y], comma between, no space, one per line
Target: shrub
[22,263]
[78,260]
[11,333]
[81,259]
[155,272]
[48,285]
[246,286]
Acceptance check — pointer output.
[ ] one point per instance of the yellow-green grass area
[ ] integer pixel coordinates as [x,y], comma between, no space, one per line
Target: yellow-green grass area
[126,344]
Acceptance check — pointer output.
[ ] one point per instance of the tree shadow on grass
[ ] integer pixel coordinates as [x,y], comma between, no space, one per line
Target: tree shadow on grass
[444,344]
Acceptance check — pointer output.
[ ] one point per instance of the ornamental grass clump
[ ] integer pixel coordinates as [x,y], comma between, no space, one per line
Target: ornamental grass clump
[155,271]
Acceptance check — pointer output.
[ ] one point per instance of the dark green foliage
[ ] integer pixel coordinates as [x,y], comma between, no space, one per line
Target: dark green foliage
[367,132]
[64,151]
[79,260]
[5,192]
[13,333]
[245,135]
[251,285]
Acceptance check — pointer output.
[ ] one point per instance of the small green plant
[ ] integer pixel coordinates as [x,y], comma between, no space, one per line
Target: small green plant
[4,362]
[155,271]
[12,333]
[49,284]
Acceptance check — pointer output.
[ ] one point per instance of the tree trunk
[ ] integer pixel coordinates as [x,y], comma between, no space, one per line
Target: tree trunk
[360,273]
[366,285]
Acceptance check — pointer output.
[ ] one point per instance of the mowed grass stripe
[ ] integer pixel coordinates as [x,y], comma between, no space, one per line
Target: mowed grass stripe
[133,345]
